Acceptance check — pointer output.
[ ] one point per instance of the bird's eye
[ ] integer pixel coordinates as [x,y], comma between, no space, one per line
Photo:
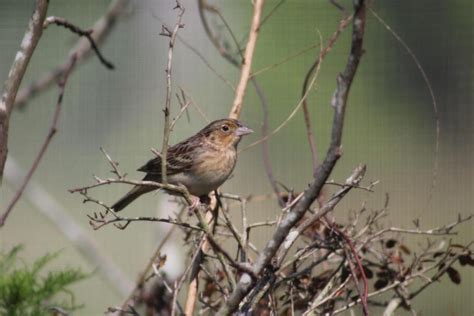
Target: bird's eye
[225,128]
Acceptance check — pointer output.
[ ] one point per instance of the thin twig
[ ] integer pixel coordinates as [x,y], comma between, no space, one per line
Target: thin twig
[409,278]
[200,56]
[258,89]
[285,60]
[167,108]
[192,294]
[432,95]
[198,108]
[207,63]
[98,223]
[202,7]
[247,62]
[180,283]
[17,71]
[266,151]
[81,32]
[86,244]
[82,49]
[52,131]
[290,116]
[246,283]
[153,258]
[323,52]
[317,65]
[113,164]
[355,178]
[272,11]
[363,295]
[101,182]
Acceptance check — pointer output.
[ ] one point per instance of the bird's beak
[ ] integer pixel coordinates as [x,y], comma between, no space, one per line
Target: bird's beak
[243,130]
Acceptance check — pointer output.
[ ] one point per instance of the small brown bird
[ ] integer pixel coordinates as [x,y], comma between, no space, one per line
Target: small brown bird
[201,163]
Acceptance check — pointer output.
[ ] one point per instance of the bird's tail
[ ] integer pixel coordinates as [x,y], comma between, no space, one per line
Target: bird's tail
[130,197]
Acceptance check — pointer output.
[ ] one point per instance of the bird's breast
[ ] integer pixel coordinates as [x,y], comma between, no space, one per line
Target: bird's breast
[210,170]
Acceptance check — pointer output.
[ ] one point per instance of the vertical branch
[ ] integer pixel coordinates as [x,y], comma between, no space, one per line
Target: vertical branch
[17,71]
[306,86]
[49,137]
[228,56]
[191,296]
[166,110]
[265,148]
[204,246]
[247,62]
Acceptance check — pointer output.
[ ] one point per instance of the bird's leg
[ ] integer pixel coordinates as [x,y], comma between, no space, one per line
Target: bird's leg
[194,207]
[205,199]
[197,202]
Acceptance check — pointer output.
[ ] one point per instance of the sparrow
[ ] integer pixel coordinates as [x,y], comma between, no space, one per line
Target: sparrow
[201,163]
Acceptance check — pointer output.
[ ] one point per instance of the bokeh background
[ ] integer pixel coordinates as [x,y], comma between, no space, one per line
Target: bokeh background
[390,124]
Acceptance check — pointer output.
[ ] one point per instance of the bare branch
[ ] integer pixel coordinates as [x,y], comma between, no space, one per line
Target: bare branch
[352,181]
[290,116]
[49,137]
[49,207]
[86,33]
[101,182]
[141,279]
[339,102]
[167,108]
[247,62]
[432,95]
[180,283]
[81,49]
[323,52]
[15,76]
[192,294]
[285,60]
[204,6]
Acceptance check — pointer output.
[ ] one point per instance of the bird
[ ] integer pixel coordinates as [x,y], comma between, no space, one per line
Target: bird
[201,163]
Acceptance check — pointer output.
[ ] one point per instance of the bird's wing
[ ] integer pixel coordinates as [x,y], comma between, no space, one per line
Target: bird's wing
[179,158]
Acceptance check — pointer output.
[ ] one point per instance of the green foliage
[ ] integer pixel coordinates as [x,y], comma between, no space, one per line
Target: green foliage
[26,290]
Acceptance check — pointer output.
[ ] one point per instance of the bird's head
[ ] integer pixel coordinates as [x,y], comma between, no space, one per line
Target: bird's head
[225,132]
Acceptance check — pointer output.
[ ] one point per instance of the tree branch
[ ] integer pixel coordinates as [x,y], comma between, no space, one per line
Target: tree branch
[167,126]
[17,71]
[49,137]
[82,49]
[309,129]
[79,31]
[247,62]
[339,102]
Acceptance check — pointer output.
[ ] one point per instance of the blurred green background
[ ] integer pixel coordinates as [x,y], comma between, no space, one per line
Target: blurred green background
[390,124]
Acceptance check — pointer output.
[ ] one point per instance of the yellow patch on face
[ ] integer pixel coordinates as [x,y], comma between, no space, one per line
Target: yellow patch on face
[223,135]
[223,140]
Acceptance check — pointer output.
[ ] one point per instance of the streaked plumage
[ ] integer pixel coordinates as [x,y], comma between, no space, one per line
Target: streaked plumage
[201,163]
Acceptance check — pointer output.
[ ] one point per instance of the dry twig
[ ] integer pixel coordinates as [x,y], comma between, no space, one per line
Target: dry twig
[81,49]
[17,71]
[247,62]
[52,131]
[339,102]
[167,126]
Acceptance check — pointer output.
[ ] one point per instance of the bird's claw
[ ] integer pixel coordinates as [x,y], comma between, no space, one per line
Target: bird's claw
[194,207]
